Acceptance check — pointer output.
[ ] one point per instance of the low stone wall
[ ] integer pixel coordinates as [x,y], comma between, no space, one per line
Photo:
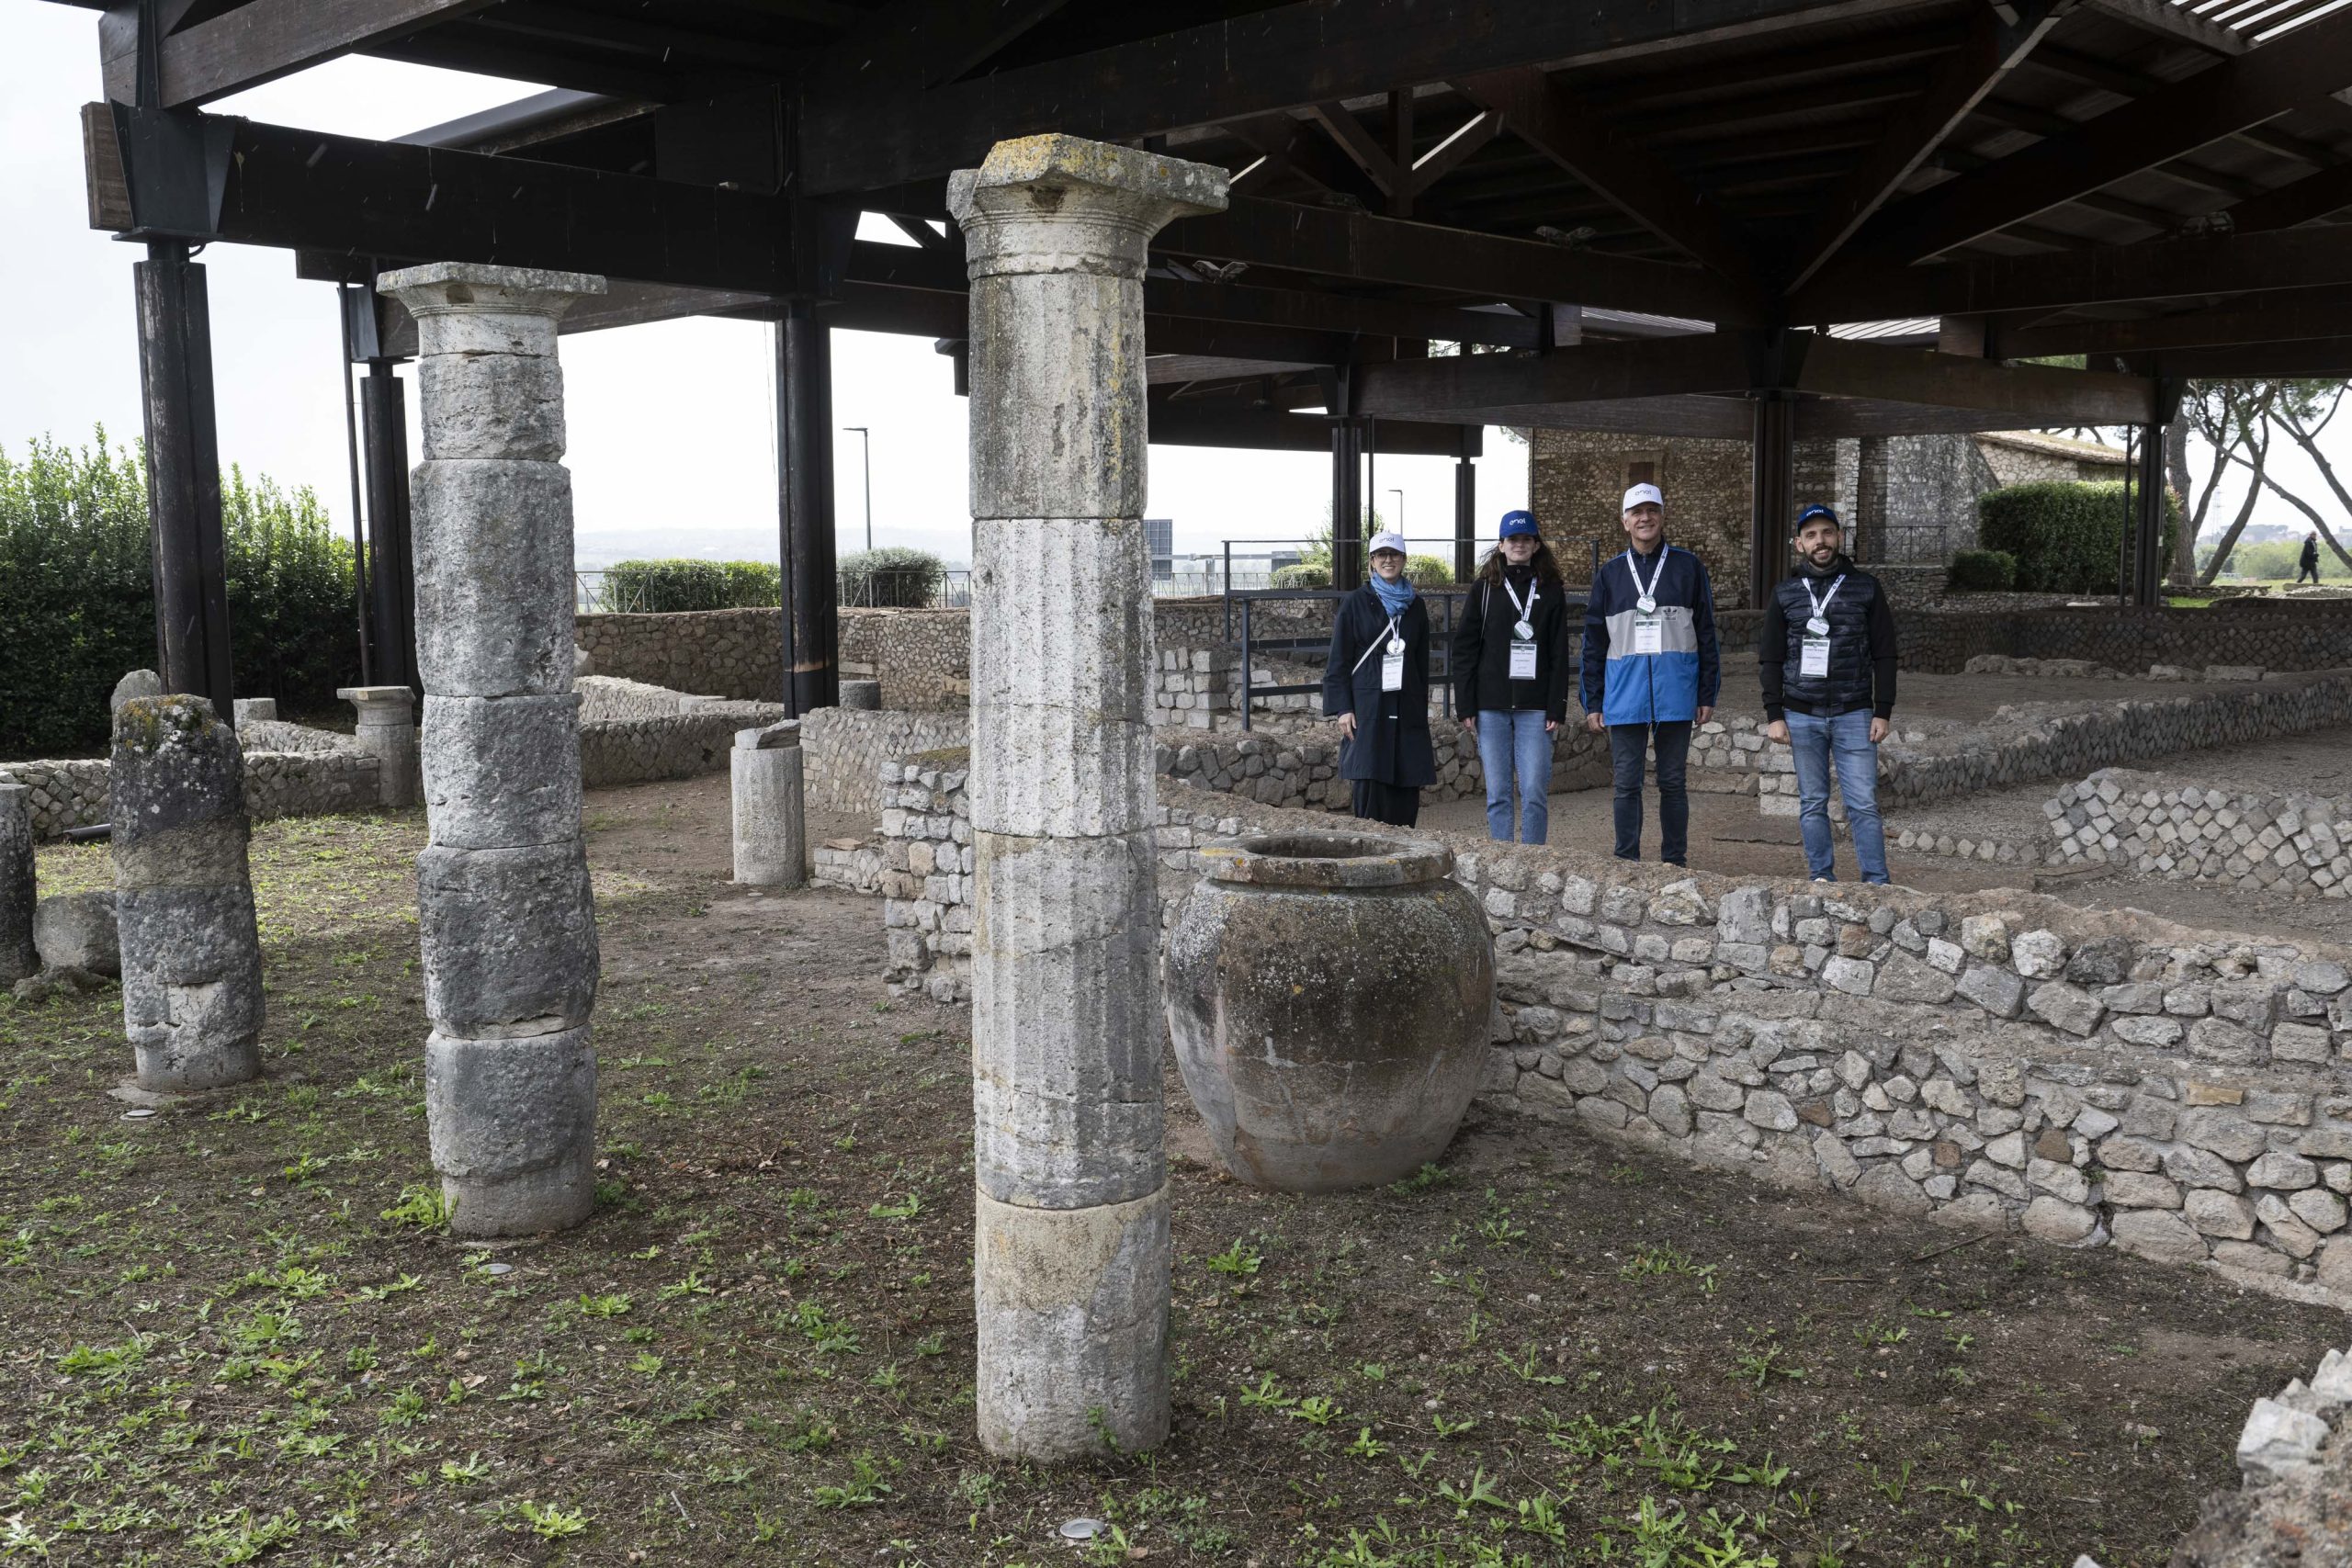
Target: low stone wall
[1732,755]
[1987,1060]
[924,658]
[672,746]
[728,653]
[73,793]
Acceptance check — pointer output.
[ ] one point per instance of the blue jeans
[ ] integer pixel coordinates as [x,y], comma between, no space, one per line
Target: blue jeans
[1629,749]
[1516,743]
[1816,741]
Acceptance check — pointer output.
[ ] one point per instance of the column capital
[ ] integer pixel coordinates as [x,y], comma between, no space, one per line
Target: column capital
[1058,203]
[467,288]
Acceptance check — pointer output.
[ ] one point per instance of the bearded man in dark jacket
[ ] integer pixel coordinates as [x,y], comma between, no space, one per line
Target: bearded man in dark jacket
[1826,652]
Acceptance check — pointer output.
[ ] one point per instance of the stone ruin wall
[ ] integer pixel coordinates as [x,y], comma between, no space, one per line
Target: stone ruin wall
[1996,1060]
[630,733]
[2297,844]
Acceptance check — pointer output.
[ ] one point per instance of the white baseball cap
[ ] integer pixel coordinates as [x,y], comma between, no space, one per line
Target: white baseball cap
[1388,539]
[1640,493]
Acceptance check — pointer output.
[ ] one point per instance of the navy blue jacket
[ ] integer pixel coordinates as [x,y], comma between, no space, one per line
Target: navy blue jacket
[1666,687]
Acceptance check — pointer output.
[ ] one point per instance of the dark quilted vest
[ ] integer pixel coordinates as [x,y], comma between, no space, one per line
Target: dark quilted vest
[1848,685]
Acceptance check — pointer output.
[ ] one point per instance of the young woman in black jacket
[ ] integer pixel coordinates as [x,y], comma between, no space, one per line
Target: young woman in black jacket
[1376,684]
[1512,675]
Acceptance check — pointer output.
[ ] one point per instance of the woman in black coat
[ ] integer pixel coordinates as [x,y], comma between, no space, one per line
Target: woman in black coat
[1376,684]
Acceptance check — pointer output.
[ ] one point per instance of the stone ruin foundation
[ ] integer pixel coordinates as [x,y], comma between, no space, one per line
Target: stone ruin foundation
[184,900]
[504,911]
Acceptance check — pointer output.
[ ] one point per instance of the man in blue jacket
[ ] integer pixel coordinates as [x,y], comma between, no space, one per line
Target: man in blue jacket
[1651,670]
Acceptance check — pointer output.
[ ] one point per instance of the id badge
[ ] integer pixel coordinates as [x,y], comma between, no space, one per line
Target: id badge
[1814,657]
[1649,637]
[1392,670]
[1523,661]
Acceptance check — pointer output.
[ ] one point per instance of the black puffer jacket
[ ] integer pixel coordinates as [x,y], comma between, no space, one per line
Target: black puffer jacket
[1482,642]
[1861,645]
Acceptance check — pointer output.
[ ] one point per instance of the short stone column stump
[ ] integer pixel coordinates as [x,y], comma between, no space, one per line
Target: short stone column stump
[771,823]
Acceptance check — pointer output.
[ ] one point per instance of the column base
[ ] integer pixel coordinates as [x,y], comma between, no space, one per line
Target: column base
[512,1127]
[183,1065]
[553,1198]
[1072,1306]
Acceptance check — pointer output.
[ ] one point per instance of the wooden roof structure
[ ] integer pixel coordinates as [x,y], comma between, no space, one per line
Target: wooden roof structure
[1673,216]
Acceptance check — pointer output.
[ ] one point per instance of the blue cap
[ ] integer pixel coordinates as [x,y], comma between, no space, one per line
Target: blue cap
[1816,509]
[1518,523]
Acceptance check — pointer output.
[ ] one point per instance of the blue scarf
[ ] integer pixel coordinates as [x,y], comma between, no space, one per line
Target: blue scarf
[1395,597]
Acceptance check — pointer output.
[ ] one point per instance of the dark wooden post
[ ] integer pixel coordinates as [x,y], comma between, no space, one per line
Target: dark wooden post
[1772,484]
[804,411]
[1347,479]
[2148,520]
[392,560]
[1466,517]
[183,475]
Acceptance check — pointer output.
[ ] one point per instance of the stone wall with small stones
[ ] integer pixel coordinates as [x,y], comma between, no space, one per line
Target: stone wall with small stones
[843,749]
[727,653]
[675,746]
[1731,756]
[1996,1060]
[74,794]
[2297,844]
[924,658]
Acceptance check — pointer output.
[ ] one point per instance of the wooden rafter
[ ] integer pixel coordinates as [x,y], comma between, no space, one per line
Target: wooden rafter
[1546,117]
[1995,45]
[2260,85]
[934,40]
[263,39]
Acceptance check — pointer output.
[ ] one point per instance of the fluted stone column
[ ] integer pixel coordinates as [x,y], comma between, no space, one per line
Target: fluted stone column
[508,927]
[769,800]
[184,896]
[18,894]
[1071,1245]
[385,728]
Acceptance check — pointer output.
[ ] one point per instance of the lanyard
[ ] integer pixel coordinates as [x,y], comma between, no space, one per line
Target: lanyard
[1819,625]
[1394,635]
[1646,593]
[1525,629]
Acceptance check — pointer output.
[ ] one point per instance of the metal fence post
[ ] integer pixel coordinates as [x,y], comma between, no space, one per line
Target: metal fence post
[1246,703]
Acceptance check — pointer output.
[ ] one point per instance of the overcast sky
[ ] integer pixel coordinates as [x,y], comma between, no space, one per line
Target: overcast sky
[673,435]
[673,432]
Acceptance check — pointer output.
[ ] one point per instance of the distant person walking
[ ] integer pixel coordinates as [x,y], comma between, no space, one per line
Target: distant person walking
[1376,684]
[1511,675]
[2310,561]
[1651,671]
[1827,655]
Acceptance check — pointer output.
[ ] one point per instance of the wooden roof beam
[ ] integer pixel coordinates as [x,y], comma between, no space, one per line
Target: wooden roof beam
[860,133]
[2191,329]
[937,40]
[2220,101]
[1546,117]
[263,39]
[2313,196]
[1997,42]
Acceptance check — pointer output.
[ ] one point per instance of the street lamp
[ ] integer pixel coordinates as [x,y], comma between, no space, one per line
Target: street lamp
[869,439]
[1400,509]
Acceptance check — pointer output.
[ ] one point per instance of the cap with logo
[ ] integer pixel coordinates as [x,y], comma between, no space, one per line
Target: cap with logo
[1388,539]
[1641,493]
[1518,523]
[1817,510]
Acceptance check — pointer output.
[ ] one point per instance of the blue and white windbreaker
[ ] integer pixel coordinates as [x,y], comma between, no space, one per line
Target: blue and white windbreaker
[1672,684]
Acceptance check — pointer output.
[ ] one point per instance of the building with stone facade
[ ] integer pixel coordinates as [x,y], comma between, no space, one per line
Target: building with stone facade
[1906,499]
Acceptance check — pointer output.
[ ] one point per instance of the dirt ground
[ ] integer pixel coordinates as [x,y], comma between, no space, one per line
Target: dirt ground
[237,1331]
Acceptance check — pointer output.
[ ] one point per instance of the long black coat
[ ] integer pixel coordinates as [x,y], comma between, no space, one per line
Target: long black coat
[1392,744]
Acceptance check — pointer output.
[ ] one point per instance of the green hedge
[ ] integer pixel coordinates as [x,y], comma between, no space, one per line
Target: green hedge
[78,604]
[2066,536]
[1982,572]
[893,575]
[659,587]
[1307,574]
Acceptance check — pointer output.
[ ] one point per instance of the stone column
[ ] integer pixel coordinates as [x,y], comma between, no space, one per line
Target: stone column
[387,731]
[184,897]
[771,826]
[17,897]
[1071,1244]
[508,927]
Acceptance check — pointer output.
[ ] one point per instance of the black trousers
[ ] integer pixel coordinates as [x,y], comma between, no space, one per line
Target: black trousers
[1628,746]
[1399,805]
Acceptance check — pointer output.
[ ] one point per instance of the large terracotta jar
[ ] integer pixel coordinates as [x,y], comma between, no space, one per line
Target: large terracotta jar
[1329,996]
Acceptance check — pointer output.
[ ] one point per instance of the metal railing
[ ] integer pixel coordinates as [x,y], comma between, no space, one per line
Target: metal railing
[1564,550]
[596,593]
